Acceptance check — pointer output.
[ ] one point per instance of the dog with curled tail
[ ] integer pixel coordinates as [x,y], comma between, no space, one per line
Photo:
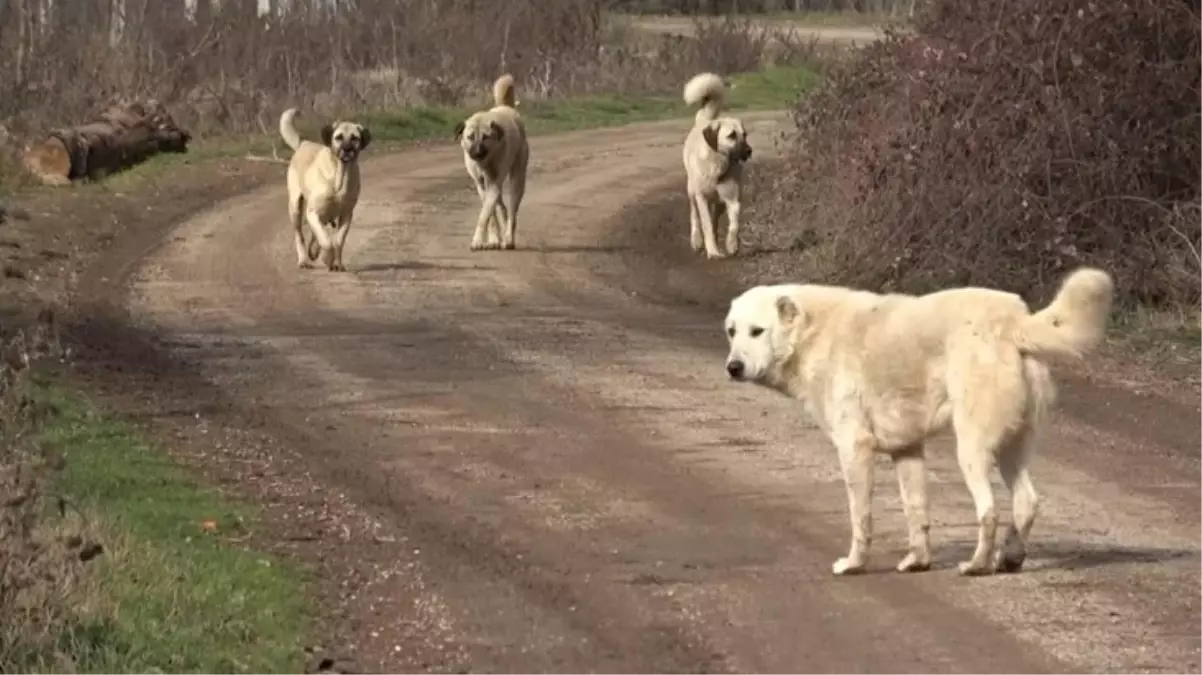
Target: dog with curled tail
[323,187]
[714,154]
[496,154]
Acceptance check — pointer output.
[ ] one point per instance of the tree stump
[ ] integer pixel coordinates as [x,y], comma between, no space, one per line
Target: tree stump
[122,136]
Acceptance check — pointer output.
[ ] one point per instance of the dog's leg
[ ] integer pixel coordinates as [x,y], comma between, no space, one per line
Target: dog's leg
[1012,461]
[911,468]
[295,214]
[488,209]
[695,239]
[344,228]
[498,235]
[492,230]
[975,455]
[319,234]
[732,228]
[515,189]
[856,459]
[705,212]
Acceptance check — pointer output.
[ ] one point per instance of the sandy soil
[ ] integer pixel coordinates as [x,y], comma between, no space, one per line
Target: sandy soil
[532,460]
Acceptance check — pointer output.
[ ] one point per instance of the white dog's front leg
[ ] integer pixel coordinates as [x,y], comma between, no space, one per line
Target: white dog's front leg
[487,211]
[911,468]
[340,235]
[707,227]
[319,233]
[856,452]
[499,235]
[732,229]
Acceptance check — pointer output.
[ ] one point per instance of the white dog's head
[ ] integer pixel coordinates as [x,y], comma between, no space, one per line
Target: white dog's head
[479,135]
[762,326]
[346,139]
[726,135]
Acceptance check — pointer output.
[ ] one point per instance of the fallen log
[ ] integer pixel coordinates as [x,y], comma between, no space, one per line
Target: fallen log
[123,135]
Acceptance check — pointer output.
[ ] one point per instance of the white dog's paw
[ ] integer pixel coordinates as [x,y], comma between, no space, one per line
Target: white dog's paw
[477,245]
[697,242]
[303,265]
[847,566]
[1008,562]
[732,246]
[974,569]
[715,255]
[508,245]
[915,562]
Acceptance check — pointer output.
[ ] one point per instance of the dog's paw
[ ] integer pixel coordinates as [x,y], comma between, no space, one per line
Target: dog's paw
[715,255]
[477,245]
[846,567]
[915,562]
[732,246]
[337,267]
[972,568]
[304,265]
[697,243]
[508,245]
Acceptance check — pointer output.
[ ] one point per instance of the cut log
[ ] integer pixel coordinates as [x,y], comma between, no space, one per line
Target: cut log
[123,135]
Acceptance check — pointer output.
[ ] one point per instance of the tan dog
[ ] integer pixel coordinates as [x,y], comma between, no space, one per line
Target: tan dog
[323,187]
[714,153]
[496,154]
[882,373]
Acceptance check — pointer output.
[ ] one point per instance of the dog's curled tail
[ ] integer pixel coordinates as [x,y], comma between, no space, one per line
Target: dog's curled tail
[707,90]
[504,93]
[1075,321]
[288,128]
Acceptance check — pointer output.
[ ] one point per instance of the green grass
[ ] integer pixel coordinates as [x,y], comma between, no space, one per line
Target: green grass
[166,595]
[774,88]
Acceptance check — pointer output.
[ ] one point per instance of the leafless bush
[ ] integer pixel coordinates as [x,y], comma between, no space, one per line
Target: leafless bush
[228,67]
[1003,144]
[40,557]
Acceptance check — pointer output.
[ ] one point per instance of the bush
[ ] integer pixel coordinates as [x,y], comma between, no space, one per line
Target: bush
[1004,143]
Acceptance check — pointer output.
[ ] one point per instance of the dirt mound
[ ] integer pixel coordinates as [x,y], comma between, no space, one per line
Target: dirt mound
[1002,144]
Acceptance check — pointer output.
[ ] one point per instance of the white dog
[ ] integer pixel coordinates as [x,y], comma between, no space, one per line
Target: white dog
[714,154]
[323,186]
[496,154]
[882,373]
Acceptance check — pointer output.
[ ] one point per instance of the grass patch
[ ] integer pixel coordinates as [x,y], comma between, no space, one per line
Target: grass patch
[1166,340]
[768,89]
[172,591]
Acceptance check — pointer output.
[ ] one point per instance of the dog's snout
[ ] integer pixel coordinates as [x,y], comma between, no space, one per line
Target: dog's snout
[744,152]
[476,151]
[735,368]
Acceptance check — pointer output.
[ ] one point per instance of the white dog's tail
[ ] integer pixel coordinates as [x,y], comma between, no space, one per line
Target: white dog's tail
[288,129]
[1075,322]
[708,91]
[504,93]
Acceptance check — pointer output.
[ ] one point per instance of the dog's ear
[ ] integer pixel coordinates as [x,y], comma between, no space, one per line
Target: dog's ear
[364,137]
[459,130]
[710,134]
[327,134]
[497,130]
[787,311]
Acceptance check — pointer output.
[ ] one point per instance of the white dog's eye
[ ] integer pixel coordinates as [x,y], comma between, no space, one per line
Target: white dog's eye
[756,332]
[338,137]
[730,331]
[732,135]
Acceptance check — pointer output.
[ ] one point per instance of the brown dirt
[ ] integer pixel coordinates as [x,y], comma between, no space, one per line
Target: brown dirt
[531,460]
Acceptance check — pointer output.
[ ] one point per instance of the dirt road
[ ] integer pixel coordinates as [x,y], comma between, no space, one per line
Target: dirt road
[845,35]
[563,479]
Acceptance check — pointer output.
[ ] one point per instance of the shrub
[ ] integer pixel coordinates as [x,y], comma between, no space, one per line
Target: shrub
[1003,143]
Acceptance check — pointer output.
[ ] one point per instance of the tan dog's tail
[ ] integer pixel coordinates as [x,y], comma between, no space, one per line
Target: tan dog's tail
[1075,322]
[708,91]
[288,129]
[504,93]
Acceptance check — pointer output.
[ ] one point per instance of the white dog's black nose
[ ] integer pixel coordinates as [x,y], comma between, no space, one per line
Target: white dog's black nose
[735,368]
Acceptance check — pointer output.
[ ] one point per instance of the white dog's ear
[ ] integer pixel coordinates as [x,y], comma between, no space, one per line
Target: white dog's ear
[496,129]
[327,134]
[459,130]
[364,137]
[710,134]
[787,311]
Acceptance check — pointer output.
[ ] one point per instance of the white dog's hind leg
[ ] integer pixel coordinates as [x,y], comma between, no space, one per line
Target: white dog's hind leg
[515,188]
[974,451]
[732,229]
[911,468]
[295,215]
[1012,461]
[319,233]
[695,239]
[705,211]
[856,455]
